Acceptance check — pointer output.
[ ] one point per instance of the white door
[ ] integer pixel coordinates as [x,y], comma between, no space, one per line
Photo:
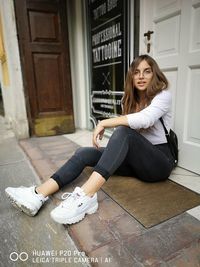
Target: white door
[175,44]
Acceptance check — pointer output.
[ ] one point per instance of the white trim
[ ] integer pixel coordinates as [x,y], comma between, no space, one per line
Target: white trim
[107,21]
[131,33]
[109,64]
[13,94]
[79,62]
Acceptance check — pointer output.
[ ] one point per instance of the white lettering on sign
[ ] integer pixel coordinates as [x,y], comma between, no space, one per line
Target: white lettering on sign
[104,8]
[99,11]
[111,4]
[108,51]
[106,34]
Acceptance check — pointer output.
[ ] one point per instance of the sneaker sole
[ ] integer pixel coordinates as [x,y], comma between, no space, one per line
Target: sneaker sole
[77,218]
[20,206]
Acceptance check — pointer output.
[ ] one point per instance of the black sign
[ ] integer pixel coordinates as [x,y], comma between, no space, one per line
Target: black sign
[109,58]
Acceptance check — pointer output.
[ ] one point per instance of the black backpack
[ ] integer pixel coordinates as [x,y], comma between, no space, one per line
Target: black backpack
[172,141]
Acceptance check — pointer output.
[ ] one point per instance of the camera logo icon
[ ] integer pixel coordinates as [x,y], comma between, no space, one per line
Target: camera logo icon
[22,256]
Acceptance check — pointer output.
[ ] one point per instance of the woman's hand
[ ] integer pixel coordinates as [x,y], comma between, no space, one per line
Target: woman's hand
[107,123]
[98,134]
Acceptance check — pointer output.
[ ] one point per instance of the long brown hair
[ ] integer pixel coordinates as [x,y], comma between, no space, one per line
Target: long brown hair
[158,83]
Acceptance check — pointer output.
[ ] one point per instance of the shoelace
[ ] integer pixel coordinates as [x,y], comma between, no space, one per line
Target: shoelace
[67,196]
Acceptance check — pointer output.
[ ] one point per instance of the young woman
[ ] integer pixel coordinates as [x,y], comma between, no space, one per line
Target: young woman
[137,147]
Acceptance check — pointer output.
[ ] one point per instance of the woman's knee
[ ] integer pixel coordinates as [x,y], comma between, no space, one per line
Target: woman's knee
[122,131]
[88,155]
[82,152]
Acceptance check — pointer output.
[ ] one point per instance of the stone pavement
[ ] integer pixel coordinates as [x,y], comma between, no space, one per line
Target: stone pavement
[21,235]
[112,237]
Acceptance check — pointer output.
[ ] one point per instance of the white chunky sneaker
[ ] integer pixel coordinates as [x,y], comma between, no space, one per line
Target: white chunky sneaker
[25,199]
[75,206]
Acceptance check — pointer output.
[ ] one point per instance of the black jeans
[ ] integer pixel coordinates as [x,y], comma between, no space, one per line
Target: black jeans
[127,153]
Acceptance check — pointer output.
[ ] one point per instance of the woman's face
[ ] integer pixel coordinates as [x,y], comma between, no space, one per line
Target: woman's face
[142,76]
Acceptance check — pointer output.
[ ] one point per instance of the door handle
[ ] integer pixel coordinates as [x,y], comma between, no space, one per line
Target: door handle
[148,36]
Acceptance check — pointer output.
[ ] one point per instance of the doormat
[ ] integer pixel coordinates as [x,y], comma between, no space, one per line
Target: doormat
[150,203]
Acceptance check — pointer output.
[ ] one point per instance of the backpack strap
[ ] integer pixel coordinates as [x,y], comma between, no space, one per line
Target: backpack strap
[165,129]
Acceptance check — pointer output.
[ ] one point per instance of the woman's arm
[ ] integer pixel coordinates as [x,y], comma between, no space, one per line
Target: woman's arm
[160,105]
[107,123]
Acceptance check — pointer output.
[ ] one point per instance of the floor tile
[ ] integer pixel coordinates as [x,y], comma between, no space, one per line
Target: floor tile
[187,257]
[108,209]
[181,171]
[191,182]
[90,233]
[195,212]
[125,226]
[159,243]
[114,254]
